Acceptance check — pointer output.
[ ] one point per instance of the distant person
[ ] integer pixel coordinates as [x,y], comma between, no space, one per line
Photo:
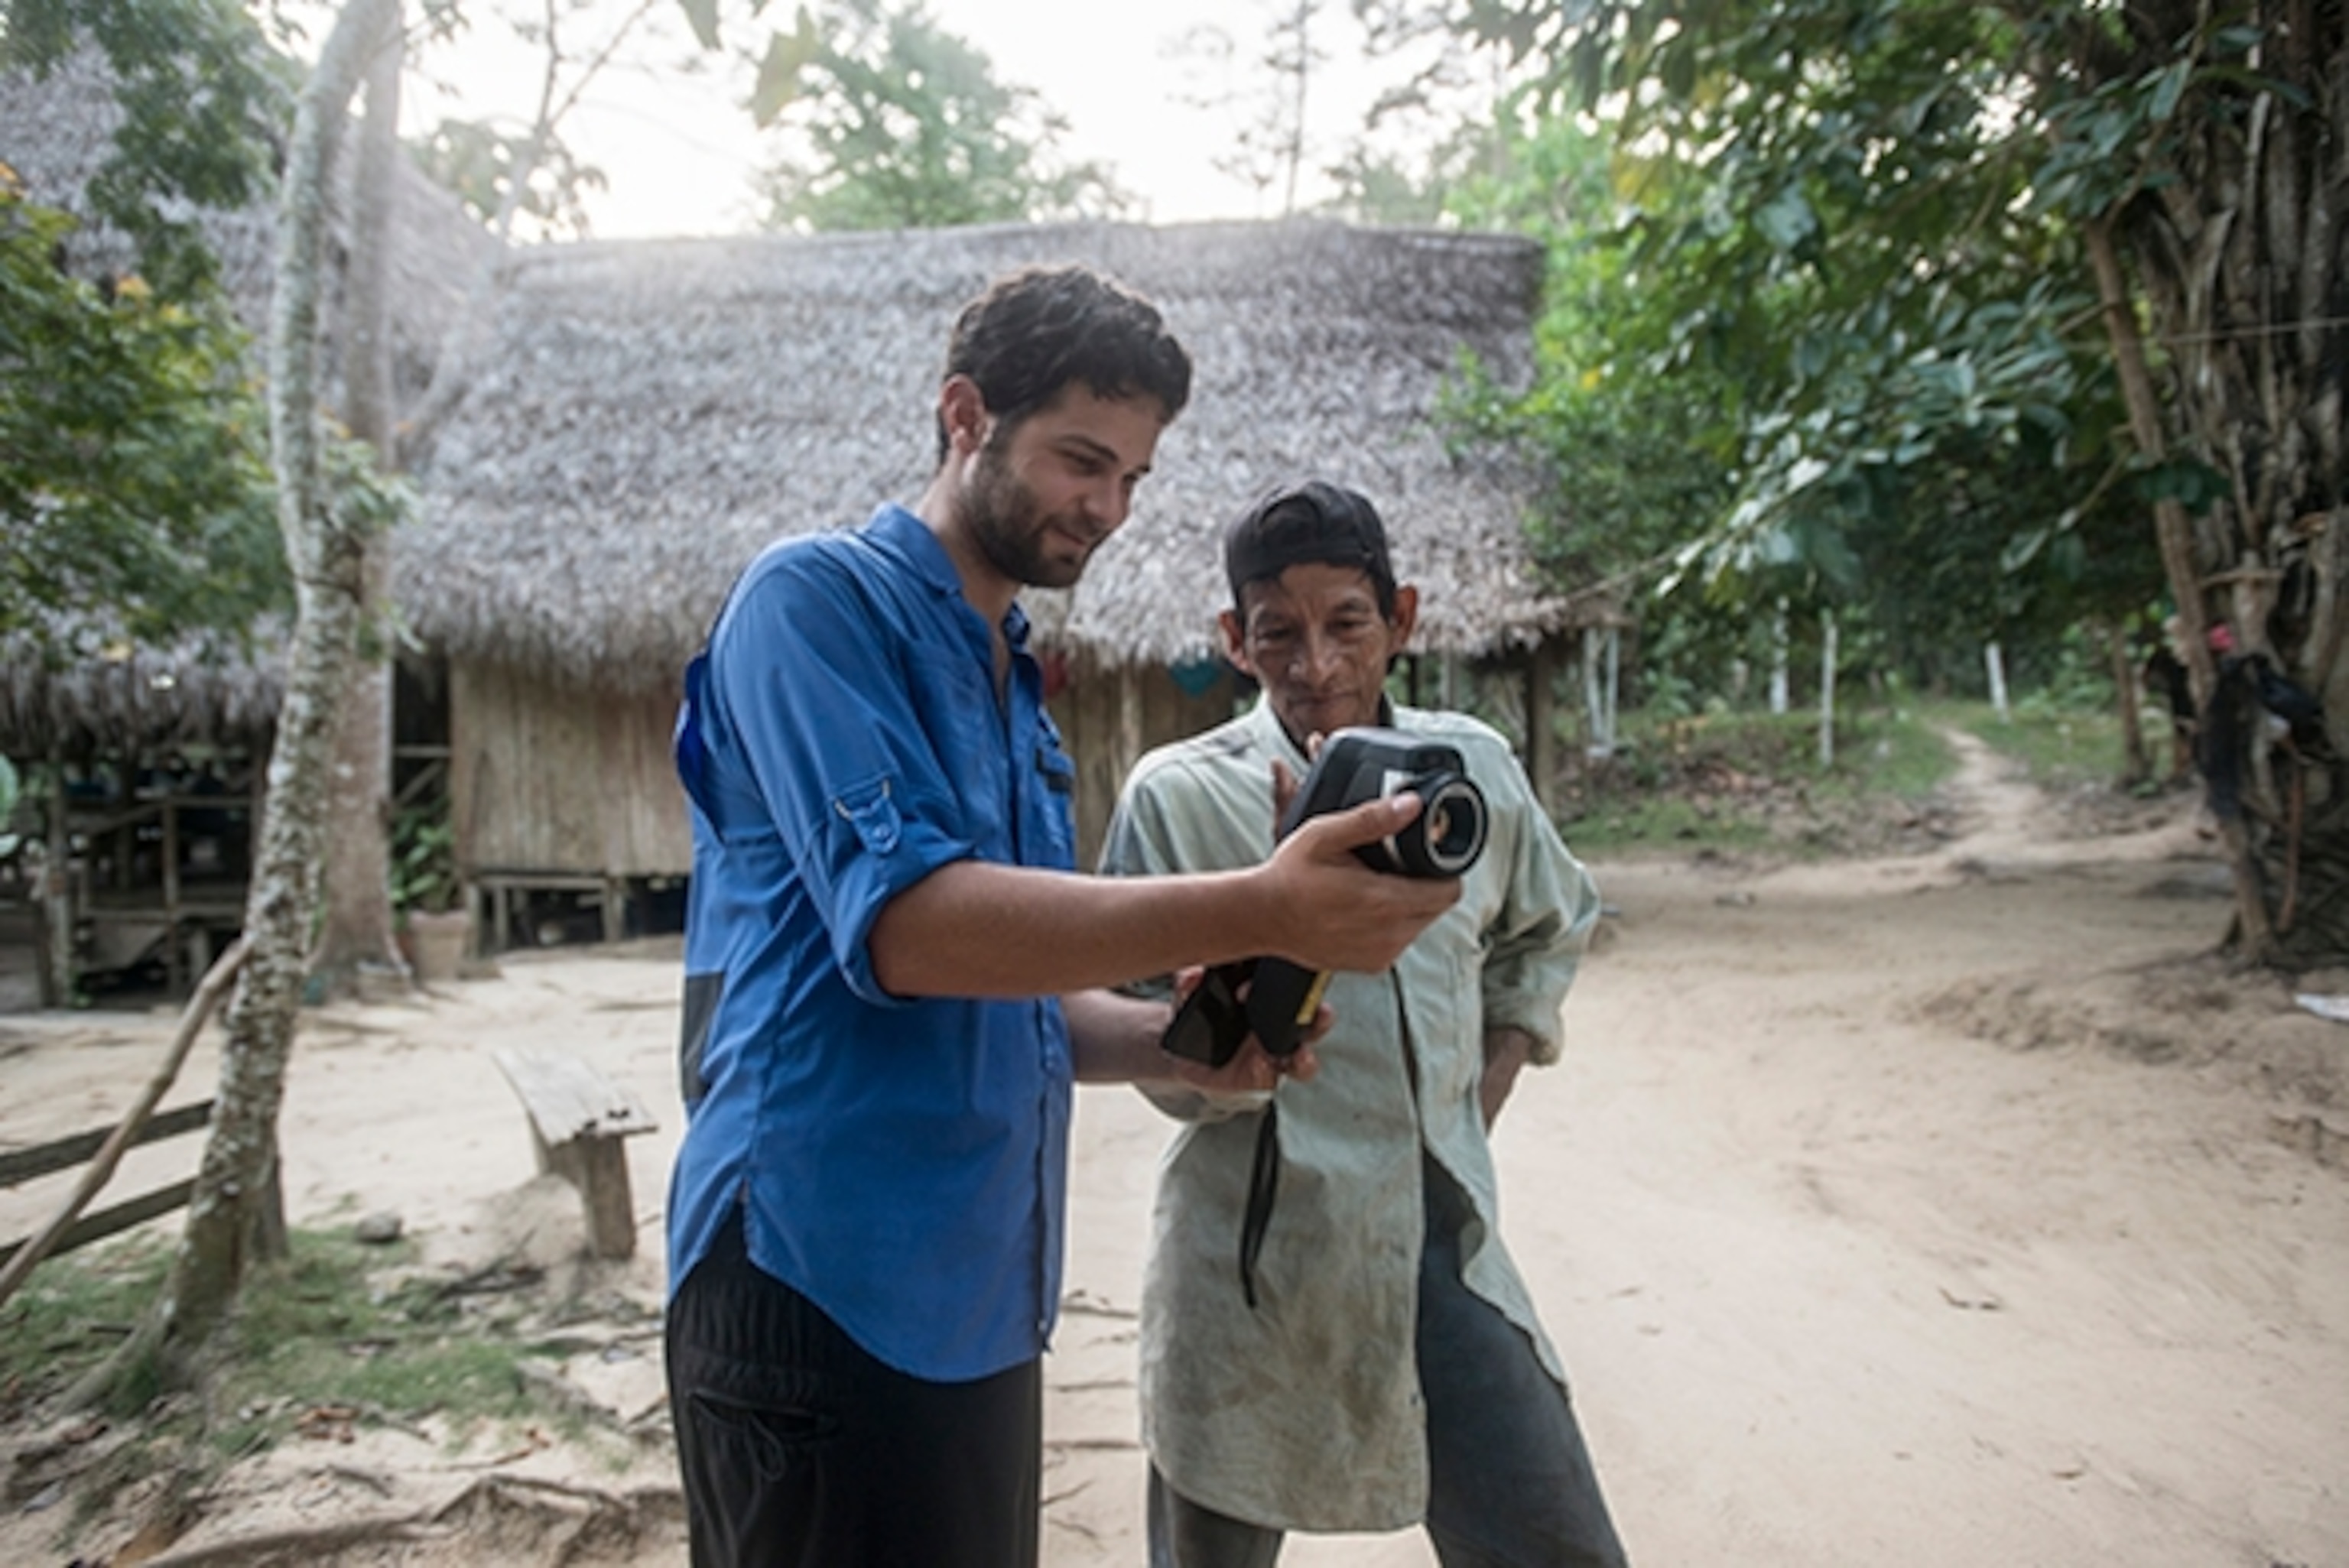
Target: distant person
[1378,1364]
[892,978]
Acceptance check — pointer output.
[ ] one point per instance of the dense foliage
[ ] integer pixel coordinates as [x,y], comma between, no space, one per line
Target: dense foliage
[134,482]
[897,123]
[2005,308]
[204,101]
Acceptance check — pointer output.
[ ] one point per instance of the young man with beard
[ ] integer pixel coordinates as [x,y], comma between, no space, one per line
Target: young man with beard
[1381,1364]
[893,979]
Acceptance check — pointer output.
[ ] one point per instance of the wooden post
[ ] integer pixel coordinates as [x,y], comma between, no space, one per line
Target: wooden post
[1601,672]
[1131,732]
[175,963]
[57,912]
[1826,687]
[1779,695]
[2135,763]
[1541,722]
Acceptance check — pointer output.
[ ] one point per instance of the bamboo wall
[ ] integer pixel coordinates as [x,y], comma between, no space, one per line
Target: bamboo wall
[564,780]
[571,781]
[1109,717]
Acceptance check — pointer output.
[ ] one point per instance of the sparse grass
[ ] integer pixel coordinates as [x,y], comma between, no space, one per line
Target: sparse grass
[1744,781]
[2063,748]
[342,1324]
[337,1324]
[1618,825]
[1892,752]
[73,1312]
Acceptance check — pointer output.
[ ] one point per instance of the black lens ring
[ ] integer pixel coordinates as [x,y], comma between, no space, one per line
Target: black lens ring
[1451,800]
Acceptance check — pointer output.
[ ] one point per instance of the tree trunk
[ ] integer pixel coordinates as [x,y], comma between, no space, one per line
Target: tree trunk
[59,980]
[2242,251]
[240,1157]
[2175,533]
[356,935]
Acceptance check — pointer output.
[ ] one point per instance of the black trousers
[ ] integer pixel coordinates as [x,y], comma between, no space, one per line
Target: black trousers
[801,1450]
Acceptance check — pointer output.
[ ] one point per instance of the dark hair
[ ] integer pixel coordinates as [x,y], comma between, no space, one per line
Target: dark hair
[1036,330]
[1312,522]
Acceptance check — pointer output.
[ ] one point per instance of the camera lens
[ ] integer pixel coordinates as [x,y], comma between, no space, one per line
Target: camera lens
[1453,824]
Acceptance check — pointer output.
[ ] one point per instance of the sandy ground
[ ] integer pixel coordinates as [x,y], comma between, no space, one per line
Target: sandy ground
[1941,1211]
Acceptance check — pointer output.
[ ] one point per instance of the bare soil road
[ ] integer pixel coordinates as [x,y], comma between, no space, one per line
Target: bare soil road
[1941,1212]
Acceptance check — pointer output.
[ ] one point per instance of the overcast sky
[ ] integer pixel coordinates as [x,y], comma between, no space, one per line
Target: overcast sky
[679,146]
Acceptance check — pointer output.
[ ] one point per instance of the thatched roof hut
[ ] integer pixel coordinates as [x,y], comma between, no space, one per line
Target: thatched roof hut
[649,415]
[652,413]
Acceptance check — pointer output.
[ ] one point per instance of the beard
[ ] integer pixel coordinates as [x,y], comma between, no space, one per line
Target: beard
[1009,524]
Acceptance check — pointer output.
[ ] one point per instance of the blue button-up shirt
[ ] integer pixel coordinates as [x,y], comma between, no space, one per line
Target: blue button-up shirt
[902,1163]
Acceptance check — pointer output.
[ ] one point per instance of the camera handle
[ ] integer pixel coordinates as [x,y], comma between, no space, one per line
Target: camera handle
[1281,1002]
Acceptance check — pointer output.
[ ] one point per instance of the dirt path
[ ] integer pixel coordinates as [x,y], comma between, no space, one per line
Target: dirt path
[1939,1212]
[1844,1276]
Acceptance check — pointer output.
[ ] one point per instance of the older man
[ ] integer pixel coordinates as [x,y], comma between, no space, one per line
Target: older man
[1390,1369]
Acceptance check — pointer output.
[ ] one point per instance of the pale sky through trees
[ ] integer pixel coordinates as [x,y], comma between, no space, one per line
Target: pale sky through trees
[679,146]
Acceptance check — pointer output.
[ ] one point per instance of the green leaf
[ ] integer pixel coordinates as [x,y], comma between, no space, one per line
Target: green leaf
[702,16]
[1787,219]
[2168,88]
[788,55]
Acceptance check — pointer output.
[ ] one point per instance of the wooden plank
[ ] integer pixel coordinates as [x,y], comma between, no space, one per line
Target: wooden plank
[96,1227]
[567,1100]
[24,1164]
[577,1120]
[541,882]
[647,831]
[118,914]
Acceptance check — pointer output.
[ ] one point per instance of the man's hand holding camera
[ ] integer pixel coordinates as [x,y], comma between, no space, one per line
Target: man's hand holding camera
[1328,909]
[1405,809]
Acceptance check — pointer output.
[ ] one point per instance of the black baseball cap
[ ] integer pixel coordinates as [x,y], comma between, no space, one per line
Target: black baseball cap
[1310,521]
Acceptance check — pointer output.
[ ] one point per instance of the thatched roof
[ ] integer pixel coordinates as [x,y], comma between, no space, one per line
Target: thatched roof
[652,413]
[127,698]
[56,133]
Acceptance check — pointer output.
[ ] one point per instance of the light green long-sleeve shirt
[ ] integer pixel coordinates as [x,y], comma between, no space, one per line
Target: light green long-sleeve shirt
[1305,1412]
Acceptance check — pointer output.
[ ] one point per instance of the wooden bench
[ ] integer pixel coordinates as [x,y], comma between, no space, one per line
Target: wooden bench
[578,1122]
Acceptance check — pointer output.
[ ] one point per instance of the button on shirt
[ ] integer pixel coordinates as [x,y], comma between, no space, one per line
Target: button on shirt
[900,1162]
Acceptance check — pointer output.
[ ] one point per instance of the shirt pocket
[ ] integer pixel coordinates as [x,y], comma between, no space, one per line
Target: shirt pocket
[1053,812]
[958,716]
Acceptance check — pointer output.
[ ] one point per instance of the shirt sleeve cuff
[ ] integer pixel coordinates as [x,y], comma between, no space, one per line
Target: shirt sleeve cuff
[1547,1043]
[866,884]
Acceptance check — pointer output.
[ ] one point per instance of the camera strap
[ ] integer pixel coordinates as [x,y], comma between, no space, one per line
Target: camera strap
[1264,1186]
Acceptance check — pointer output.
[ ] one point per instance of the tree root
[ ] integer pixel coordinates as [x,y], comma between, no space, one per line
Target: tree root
[569,1532]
